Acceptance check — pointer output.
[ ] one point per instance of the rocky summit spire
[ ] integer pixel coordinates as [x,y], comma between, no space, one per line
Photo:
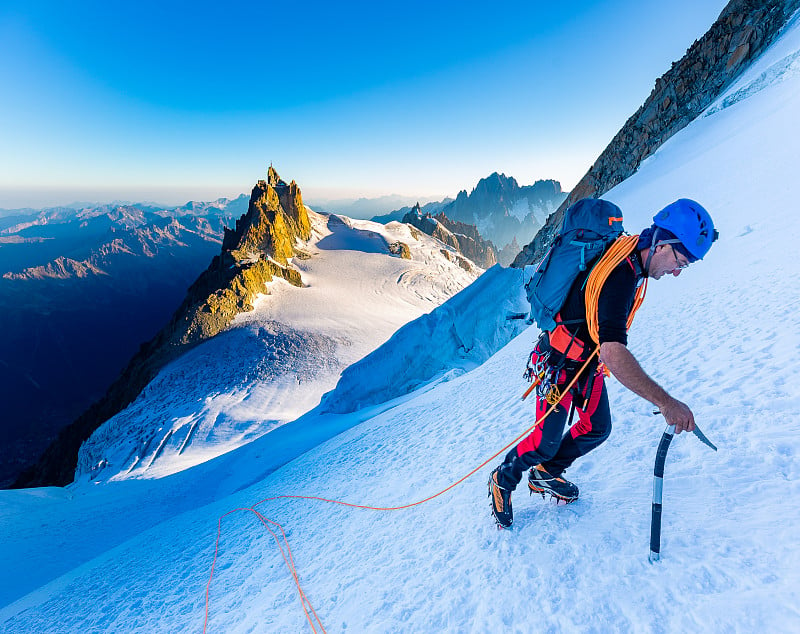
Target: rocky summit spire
[252,254]
[275,218]
[272,177]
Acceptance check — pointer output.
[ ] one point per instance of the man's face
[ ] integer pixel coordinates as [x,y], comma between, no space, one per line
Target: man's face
[666,260]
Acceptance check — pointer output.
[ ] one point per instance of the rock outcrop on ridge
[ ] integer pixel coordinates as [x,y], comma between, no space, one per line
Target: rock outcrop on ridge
[397,215]
[742,31]
[254,253]
[460,236]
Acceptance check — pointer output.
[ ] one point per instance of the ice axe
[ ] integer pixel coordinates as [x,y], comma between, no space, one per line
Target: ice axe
[658,485]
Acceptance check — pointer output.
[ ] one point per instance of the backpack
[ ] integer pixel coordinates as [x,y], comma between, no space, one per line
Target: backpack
[590,226]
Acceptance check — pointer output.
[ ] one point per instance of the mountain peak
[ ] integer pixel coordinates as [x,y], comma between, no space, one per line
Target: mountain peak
[273,179]
[252,255]
[502,210]
[275,217]
[496,182]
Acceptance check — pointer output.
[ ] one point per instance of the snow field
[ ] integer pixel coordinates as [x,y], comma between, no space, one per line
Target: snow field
[724,338]
[274,363]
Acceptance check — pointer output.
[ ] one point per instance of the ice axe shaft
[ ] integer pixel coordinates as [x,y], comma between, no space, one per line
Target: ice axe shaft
[658,485]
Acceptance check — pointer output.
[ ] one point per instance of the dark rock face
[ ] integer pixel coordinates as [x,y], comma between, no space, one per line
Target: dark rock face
[462,237]
[743,30]
[503,211]
[470,242]
[251,255]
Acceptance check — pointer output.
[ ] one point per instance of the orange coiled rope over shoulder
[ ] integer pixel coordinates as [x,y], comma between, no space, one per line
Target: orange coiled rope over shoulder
[620,249]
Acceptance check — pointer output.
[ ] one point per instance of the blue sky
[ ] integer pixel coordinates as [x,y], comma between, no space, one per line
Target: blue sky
[178,101]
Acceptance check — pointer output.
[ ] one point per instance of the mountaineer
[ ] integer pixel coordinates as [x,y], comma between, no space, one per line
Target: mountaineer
[681,234]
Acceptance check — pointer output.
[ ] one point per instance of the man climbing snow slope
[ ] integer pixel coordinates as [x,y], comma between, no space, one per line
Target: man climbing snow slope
[681,234]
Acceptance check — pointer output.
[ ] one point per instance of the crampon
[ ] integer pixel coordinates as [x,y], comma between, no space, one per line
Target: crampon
[540,481]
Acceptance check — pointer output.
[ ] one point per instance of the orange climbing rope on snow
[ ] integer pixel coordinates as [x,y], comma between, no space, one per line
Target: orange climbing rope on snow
[287,556]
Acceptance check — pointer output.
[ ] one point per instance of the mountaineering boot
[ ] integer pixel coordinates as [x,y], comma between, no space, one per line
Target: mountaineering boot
[540,481]
[501,502]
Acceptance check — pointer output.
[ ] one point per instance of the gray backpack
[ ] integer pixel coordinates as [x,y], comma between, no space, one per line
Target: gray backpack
[590,226]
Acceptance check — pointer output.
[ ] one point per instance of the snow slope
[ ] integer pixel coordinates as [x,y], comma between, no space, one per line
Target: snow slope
[99,521]
[458,336]
[724,337]
[275,362]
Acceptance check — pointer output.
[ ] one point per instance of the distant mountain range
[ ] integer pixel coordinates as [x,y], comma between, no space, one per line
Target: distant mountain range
[80,290]
[366,208]
[503,212]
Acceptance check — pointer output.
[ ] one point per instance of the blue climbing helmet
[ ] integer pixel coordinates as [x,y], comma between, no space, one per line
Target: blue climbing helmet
[690,223]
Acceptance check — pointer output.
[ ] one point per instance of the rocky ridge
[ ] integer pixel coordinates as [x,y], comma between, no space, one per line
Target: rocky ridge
[255,252]
[743,30]
[462,237]
[433,208]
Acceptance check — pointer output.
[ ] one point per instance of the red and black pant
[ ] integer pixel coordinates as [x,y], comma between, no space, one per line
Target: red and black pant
[548,445]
